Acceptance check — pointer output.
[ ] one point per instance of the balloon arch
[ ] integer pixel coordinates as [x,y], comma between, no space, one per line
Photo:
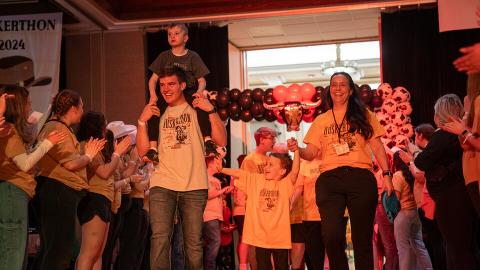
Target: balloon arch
[303,102]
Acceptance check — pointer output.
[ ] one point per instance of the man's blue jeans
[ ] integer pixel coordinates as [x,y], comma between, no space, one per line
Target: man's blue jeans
[191,205]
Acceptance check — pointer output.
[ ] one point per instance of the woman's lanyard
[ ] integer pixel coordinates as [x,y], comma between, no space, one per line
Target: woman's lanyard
[336,124]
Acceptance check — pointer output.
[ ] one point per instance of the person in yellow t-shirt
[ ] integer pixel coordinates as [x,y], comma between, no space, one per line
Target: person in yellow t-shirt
[267,216]
[311,223]
[94,210]
[62,182]
[254,163]
[346,136]
[17,185]
[412,253]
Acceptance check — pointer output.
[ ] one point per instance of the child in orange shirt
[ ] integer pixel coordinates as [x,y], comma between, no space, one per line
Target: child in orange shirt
[267,216]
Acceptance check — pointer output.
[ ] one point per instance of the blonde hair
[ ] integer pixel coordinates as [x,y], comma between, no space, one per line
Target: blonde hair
[473,91]
[447,106]
[182,27]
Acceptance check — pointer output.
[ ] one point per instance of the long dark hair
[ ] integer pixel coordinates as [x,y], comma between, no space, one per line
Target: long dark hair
[15,112]
[357,114]
[399,165]
[92,125]
[109,146]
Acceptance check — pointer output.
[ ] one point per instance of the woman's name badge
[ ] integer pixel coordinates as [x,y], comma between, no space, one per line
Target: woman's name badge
[341,148]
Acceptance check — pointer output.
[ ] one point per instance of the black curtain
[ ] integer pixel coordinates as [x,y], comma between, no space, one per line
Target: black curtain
[418,57]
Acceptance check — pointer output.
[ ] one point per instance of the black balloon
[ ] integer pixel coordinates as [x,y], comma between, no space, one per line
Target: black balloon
[222,100]
[365,86]
[365,95]
[259,118]
[247,92]
[319,89]
[235,117]
[269,100]
[376,101]
[245,101]
[257,109]
[269,92]
[234,94]
[257,94]
[270,116]
[225,90]
[233,109]
[223,113]
[246,116]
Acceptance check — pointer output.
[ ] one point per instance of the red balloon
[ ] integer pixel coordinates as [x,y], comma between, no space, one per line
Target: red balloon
[279,93]
[308,119]
[309,112]
[294,97]
[279,116]
[307,90]
[294,88]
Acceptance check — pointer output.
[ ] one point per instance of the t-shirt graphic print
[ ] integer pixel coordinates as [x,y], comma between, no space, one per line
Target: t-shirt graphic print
[177,130]
[268,199]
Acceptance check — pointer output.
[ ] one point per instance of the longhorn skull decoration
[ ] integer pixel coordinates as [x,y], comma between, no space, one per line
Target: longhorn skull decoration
[292,112]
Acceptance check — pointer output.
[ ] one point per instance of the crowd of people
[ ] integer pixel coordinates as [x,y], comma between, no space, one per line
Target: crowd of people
[128,193]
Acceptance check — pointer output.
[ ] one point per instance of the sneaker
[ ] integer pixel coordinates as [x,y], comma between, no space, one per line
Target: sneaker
[152,155]
[211,149]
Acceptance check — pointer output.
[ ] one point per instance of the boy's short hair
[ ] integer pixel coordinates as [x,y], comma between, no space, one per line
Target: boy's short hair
[262,132]
[173,71]
[182,26]
[285,161]
[426,130]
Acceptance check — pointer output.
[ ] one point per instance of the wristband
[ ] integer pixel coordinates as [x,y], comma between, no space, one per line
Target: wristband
[214,110]
[141,123]
[125,183]
[464,132]
[466,137]
[116,154]
[387,173]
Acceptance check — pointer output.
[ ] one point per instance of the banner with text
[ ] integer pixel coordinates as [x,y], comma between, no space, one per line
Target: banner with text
[30,55]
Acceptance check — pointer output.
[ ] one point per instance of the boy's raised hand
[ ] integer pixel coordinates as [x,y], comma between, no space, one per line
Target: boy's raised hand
[202,103]
[292,144]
